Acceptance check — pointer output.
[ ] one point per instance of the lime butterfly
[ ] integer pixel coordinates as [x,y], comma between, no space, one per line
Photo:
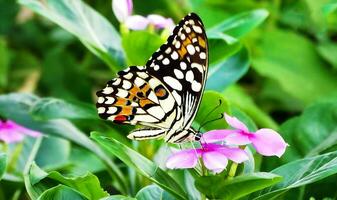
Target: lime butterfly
[164,95]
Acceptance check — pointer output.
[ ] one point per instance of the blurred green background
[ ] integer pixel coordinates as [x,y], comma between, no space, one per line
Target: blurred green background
[277,66]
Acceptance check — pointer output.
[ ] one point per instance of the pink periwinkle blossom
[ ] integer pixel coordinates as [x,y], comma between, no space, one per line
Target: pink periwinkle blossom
[266,141]
[123,12]
[214,157]
[10,132]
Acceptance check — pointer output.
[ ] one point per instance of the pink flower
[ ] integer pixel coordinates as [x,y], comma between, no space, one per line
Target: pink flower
[266,141]
[11,132]
[122,9]
[123,12]
[160,22]
[215,157]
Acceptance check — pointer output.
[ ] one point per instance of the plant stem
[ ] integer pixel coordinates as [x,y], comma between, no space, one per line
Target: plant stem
[232,170]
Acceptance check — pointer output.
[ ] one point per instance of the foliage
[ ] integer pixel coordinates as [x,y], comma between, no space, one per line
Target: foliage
[271,64]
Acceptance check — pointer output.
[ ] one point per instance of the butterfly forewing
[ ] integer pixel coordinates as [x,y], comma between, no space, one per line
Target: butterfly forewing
[164,95]
[181,64]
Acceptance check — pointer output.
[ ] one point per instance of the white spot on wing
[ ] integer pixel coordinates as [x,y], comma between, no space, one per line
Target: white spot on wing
[197,29]
[100,110]
[122,93]
[110,100]
[174,83]
[179,74]
[139,82]
[177,44]
[174,55]
[183,65]
[108,90]
[100,100]
[126,85]
[189,76]
[202,55]
[112,110]
[190,49]
[166,61]
[196,86]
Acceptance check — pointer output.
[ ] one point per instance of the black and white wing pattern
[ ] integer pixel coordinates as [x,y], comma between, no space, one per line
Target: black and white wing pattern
[164,95]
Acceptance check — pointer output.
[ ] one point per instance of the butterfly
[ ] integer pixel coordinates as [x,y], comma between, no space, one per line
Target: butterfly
[164,95]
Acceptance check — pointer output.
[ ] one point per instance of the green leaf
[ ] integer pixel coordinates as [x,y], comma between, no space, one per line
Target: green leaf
[52,108]
[118,197]
[140,45]
[313,132]
[87,185]
[223,40]
[61,192]
[211,100]
[307,79]
[329,8]
[141,164]
[153,192]
[4,63]
[238,25]
[91,28]
[17,107]
[328,51]
[237,97]
[53,146]
[301,172]
[3,163]
[224,73]
[216,187]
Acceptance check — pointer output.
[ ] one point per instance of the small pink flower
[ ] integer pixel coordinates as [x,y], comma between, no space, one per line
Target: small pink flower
[266,141]
[11,132]
[122,9]
[160,22]
[123,12]
[215,157]
[137,22]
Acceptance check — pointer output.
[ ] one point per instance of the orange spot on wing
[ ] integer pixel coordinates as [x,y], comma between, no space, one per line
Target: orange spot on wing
[144,102]
[161,92]
[120,102]
[187,42]
[126,110]
[202,42]
[182,51]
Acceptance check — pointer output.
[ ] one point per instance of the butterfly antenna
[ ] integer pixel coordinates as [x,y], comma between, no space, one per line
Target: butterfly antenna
[210,112]
[212,120]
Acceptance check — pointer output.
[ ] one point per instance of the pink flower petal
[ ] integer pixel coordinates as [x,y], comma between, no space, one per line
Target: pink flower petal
[183,159]
[11,132]
[137,22]
[268,142]
[216,135]
[122,9]
[235,154]
[236,123]
[237,139]
[160,22]
[10,136]
[214,161]
[22,130]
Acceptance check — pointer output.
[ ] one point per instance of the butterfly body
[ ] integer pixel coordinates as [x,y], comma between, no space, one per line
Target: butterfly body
[164,95]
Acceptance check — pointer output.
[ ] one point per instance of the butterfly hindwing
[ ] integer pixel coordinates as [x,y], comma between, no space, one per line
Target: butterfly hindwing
[137,98]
